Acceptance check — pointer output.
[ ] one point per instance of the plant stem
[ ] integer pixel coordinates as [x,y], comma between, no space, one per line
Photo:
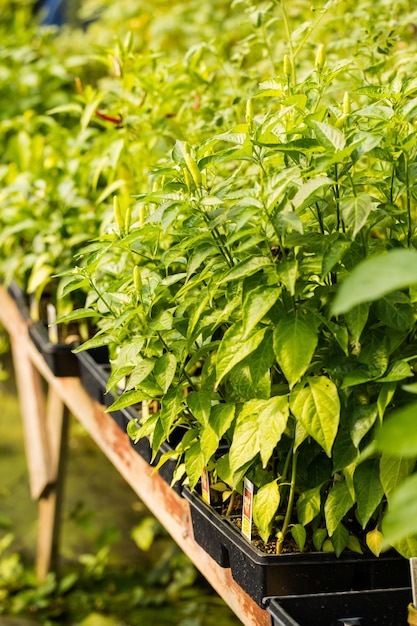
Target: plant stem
[290,505]
[290,46]
[287,463]
[231,504]
[408,201]
[337,197]
[100,297]
[320,219]
[190,382]
[218,240]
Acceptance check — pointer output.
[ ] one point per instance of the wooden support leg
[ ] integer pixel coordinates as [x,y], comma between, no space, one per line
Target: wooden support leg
[51,499]
[45,431]
[32,408]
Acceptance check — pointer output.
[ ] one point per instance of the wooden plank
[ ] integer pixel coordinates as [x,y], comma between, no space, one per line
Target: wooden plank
[50,503]
[32,408]
[167,506]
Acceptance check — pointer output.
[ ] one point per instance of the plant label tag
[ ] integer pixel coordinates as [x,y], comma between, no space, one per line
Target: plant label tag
[205,486]
[51,319]
[247,509]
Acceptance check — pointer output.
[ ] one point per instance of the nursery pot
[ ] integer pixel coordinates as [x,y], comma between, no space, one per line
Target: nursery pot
[378,607]
[21,300]
[58,356]
[262,575]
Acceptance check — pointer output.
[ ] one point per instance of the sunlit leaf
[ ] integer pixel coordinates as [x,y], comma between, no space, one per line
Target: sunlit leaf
[393,471]
[401,520]
[368,489]
[355,211]
[338,503]
[317,407]
[265,505]
[398,435]
[235,346]
[376,276]
[295,341]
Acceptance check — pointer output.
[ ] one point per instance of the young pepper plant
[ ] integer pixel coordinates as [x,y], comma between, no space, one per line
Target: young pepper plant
[224,304]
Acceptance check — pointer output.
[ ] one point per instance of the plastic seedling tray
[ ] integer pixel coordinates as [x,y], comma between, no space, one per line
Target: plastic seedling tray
[377,607]
[21,299]
[262,575]
[59,356]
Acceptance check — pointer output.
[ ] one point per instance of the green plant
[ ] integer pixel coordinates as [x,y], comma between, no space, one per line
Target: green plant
[373,279]
[222,312]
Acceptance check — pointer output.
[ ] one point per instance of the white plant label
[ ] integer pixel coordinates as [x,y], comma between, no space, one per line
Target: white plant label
[247,509]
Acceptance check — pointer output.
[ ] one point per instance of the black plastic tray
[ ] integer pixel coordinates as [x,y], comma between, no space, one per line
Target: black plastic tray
[59,356]
[21,299]
[378,607]
[262,575]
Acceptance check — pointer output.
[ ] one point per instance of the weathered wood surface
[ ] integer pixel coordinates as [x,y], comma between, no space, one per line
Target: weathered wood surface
[45,426]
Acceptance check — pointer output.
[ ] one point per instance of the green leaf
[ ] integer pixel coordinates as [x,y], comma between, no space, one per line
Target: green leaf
[368,489]
[319,537]
[221,418]
[376,276]
[209,441]
[195,462]
[363,418]
[398,435]
[39,277]
[348,474]
[310,191]
[376,356]
[354,544]
[385,396]
[356,320]
[164,371]
[400,521]
[129,398]
[288,272]
[332,255]
[344,453]
[251,378]
[407,547]
[171,407]
[110,190]
[265,506]
[272,422]
[355,211]
[257,304]
[234,347]
[295,341]
[395,311]
[162,322]
[77,314]
[330,137]
[393,471]
[117,375]
[317,407]
[199,403]
[245,268]
[375,541]
[338,503]
[398,371]
[299,534]
[245,444]
[308,505]
[141,370]
[227,475]
[203,251]
[340,539]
